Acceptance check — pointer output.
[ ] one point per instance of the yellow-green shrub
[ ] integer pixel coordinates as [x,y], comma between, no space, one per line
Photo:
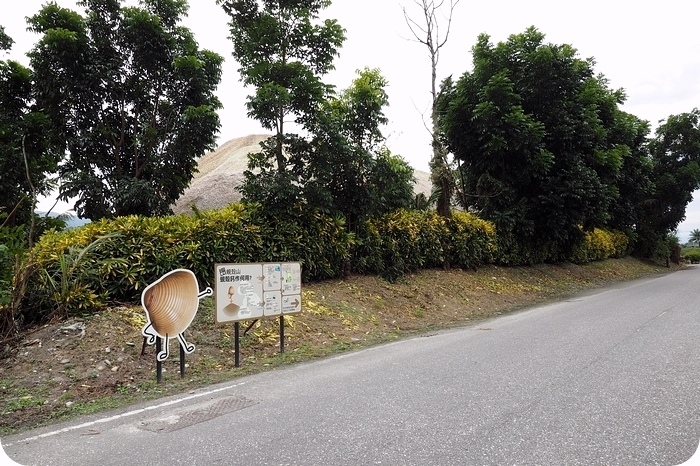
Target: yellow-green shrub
[120,267]
[692,256]
[471,242]
[408,240]
[600,244]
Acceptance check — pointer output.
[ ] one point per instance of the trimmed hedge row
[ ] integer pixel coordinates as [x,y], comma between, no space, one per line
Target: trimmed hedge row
[114,260]
[128,253]
[406,240]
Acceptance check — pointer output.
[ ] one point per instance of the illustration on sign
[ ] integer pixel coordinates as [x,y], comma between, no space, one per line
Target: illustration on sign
[251,291]
[239,287]
[171,303]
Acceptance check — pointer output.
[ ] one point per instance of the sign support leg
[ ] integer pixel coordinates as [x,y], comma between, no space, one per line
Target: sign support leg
[281,334]
[237,346]
[159,364]
[182,361]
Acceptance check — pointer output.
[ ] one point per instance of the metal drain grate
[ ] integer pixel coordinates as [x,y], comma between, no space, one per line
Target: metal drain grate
[190,418]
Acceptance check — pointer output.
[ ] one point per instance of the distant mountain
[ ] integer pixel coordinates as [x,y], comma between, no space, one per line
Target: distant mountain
[71,220]
[221,172]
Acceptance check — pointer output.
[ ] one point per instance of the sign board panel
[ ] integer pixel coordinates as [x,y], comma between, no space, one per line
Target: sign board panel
[252,291]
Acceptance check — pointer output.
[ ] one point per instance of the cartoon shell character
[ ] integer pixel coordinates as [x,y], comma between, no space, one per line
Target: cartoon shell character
[171,303]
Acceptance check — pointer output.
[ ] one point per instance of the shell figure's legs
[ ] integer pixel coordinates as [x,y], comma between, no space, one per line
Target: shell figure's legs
[188,347]
[163,355]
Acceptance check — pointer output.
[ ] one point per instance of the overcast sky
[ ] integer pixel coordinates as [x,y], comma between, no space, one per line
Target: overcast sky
[649,49]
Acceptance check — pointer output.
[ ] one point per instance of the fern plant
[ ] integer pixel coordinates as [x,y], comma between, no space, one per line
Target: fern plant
[69,286]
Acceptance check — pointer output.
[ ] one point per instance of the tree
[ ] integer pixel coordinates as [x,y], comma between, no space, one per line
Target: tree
[350,171]
[283,51]
[538,135]
[675,155]
[695,237]
[427,32]
[632,185]
[22,128]
[131,100]
[339,165]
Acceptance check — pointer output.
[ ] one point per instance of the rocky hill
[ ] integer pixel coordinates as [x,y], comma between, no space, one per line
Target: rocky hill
[221,172]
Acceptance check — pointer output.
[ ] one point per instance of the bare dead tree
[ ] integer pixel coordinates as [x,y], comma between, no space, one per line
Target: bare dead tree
[426,31]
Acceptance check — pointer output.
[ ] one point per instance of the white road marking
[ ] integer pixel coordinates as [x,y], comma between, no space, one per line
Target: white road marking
[123,415]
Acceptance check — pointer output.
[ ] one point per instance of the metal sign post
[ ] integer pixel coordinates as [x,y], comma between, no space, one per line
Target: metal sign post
[237,345]
[182,361]
[281,334]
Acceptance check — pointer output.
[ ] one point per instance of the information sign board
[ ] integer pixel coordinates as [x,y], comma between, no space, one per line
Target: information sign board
[252,291]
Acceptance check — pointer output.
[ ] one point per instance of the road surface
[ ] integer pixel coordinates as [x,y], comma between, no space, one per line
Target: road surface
[611,377]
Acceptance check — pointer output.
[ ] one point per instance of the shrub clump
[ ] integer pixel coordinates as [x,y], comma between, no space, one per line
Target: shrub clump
[409,240]
[114,260]
[600,244]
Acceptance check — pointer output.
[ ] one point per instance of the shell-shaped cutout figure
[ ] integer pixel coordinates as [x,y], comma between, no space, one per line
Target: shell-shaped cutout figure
[171,302]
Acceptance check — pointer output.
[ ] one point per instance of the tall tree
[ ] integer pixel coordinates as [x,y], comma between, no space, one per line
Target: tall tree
[131,98]
[22,130]
[631,186]
[350,171]
[675,153]
[535,130]
[427,32]
[283,50]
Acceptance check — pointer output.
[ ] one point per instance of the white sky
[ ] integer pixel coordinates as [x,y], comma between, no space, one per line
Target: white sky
[648,48]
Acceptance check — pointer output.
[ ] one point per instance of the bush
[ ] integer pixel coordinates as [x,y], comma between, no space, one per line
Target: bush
[120,257]
[471,241]
[692,256]
[600,245]
[409,240]
[114,260]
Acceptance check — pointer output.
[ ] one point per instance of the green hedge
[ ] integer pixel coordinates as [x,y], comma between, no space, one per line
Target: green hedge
[408,240]
[691,256]
[114,260]
[120,257]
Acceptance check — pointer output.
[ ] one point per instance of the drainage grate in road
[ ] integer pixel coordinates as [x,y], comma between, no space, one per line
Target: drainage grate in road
[190,418]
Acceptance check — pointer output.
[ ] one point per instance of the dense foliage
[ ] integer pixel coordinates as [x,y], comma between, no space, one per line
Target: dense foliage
[339,164]
[22,127]
[283,50]
[348,170]
[409,240]
[547,155]
[675,153]
[79,270]
[130,97]
[118,258]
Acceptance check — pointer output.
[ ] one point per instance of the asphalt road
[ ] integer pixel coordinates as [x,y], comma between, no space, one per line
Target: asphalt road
[606,378]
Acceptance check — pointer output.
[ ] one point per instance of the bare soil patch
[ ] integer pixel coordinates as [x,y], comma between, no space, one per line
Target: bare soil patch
[89,364]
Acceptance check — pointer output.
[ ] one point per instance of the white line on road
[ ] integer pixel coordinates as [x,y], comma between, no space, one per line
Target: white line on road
[123,415]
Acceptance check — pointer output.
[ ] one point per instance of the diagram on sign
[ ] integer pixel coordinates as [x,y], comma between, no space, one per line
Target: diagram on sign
[251,291]
[238,292]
